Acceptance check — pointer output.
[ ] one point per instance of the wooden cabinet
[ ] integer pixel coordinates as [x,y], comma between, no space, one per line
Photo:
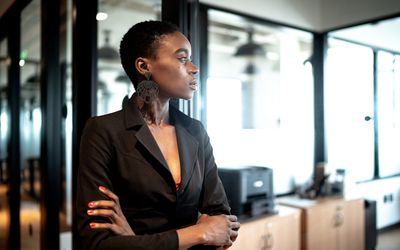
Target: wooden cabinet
[331,223]
[280,231]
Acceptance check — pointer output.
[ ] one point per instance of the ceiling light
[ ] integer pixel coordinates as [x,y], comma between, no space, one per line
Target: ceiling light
[101,16]
[250,49]
[107,52]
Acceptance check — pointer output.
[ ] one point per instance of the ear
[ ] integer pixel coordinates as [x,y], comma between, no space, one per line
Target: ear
[142,65]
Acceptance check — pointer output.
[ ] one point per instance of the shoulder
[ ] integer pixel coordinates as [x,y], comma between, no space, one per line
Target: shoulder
[103,123]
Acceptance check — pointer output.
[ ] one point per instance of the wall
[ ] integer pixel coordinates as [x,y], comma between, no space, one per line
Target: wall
[316,15]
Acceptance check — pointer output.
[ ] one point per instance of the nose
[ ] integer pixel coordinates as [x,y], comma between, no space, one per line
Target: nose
[193,68]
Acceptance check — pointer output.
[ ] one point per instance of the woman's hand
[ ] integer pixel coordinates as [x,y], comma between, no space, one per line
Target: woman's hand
[233,237]
[109,209]
[219,230]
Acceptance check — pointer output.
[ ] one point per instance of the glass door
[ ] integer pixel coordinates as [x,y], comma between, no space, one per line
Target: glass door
[349,109]
[389,113]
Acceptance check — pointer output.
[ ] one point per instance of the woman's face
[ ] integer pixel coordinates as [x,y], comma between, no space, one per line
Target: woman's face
[172,68]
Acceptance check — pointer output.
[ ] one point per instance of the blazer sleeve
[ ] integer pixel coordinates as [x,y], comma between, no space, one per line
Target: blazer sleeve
[95,161]
[213,198]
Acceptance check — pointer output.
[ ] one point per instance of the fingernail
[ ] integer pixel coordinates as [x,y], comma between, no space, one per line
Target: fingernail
[91,204]
[102,189]
[92,225]
[90,211]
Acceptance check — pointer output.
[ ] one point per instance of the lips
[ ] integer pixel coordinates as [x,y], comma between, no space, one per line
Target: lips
[193,85]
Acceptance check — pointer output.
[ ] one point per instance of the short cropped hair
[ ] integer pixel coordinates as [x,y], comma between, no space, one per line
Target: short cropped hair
[142,40]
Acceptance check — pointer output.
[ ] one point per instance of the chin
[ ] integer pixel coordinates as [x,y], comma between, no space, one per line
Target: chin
[186,96]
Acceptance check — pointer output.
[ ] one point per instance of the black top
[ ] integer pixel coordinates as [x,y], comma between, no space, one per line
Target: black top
[119,152]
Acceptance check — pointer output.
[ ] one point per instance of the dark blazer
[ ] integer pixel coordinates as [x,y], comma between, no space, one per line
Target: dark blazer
[119,152]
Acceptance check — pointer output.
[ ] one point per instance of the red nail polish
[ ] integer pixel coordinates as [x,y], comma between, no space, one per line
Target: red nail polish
[92,225]
[90,211]
[101,188]
[91,204]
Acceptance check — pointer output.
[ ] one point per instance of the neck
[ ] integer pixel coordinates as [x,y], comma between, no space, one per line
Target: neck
[154,113]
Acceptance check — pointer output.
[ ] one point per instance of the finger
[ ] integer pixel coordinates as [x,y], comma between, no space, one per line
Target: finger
[108,226]
[109,193]
[108,213]
[95,225]
[234,238]
[102,204]
[232,218]
[229,243]
[235,225]
[233,234]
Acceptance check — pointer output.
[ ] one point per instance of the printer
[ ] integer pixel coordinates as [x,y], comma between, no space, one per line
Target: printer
[249,190]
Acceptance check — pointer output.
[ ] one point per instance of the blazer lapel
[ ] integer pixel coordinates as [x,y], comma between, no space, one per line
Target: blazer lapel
[145,137]
[188,148]
[133,119]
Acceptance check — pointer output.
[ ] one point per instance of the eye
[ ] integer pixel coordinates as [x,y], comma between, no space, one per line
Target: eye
[184,59]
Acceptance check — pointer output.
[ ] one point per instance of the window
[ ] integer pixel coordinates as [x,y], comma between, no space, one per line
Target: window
[260,106]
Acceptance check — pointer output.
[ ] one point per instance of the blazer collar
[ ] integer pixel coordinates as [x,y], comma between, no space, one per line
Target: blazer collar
[187,143]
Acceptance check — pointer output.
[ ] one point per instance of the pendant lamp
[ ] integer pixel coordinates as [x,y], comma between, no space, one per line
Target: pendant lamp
[250,49]
[107,52]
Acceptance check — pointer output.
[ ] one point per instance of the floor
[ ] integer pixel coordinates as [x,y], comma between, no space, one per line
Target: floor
[389,240]
[30,223]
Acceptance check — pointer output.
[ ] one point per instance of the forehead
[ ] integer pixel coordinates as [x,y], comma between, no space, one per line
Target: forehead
[174,42]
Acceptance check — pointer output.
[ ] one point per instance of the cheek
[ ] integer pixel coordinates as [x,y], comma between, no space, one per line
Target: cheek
[171,76]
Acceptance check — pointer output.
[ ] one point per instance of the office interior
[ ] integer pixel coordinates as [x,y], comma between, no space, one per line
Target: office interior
[319,89]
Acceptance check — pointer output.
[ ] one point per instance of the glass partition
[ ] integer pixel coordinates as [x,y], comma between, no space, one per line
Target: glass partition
[259,97]
[67,114]
[4,140]
[349,109]
[115,18]
[30,125]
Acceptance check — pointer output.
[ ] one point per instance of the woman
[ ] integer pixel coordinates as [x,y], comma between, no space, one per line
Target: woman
[147,172]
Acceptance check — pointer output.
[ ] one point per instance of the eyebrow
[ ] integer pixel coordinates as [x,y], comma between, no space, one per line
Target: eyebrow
[181,50]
